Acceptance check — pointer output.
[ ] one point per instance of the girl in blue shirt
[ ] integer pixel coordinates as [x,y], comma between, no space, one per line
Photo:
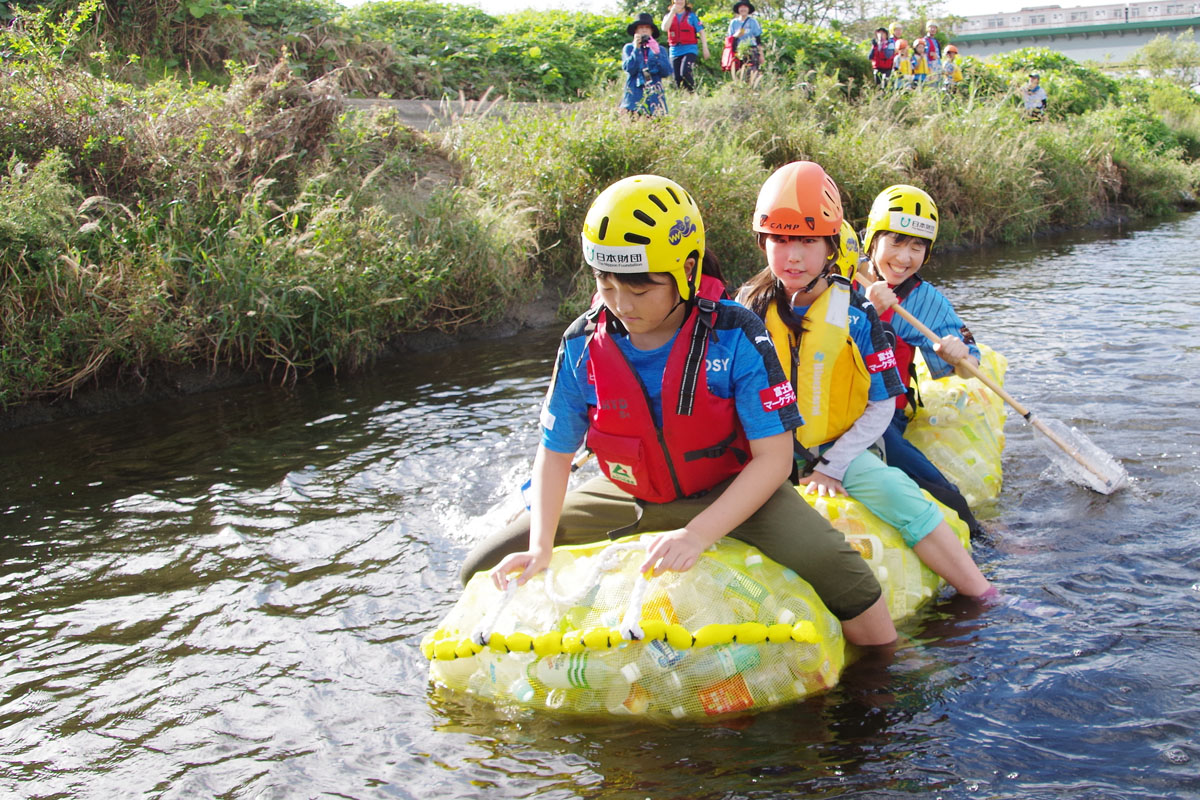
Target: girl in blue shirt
[743,37]
[842,365]
[646,64]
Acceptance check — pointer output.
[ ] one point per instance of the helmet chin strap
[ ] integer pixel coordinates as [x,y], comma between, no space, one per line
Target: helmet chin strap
[672,311]
[681,302]
[824,273]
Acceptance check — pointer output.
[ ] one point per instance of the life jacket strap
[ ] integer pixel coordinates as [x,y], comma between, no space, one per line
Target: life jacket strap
[719,449]
[913,393]
[806,460]
[694,362]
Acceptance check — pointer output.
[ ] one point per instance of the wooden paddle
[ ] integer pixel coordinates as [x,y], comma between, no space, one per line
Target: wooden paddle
[1100,471]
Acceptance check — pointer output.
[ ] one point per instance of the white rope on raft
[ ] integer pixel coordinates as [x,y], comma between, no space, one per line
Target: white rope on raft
[483,633]
[606,560]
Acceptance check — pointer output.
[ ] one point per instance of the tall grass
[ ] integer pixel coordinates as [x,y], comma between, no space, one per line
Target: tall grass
[253,225]
[995,176]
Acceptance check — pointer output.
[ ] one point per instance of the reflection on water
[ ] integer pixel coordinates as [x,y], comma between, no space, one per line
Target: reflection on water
[224,596]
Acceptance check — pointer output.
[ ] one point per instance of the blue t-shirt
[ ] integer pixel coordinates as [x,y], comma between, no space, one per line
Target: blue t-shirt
[933,309]
[753,29]
[683,49]
[741,364]
[860,332]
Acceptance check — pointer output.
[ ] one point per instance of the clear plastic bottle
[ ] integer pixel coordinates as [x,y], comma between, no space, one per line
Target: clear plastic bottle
[584,670]
[627,698]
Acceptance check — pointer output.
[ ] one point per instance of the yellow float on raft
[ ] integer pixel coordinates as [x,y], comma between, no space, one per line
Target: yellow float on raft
[960,427]
[737,633]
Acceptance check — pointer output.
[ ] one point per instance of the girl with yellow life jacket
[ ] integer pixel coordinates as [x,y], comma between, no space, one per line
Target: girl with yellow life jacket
[833,346]
[920,63]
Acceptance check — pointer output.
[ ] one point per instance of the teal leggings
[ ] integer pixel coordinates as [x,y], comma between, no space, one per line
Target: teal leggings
[891,495]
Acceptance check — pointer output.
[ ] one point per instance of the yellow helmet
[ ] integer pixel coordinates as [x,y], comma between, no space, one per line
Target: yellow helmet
[645,223]
[903,209]
[850,252]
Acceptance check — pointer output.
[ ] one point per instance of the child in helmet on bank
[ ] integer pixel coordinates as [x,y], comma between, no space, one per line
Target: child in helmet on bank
[681,397]
[834,348]
[903,71]
[951,70]
[901,229]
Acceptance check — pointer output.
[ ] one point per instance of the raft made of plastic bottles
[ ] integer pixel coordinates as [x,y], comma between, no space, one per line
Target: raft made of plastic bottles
[960,427]
[737,633]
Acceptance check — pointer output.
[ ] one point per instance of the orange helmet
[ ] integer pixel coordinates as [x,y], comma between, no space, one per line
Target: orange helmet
[901,44]
[951,48]
[799,199]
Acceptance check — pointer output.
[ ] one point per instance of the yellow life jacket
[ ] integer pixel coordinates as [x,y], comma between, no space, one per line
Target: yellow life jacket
[827,371]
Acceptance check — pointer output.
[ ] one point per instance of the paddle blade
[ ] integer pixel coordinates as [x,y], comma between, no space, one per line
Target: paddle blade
[1080,459]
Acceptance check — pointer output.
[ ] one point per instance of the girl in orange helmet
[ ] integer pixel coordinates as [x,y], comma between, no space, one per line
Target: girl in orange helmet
[833,347]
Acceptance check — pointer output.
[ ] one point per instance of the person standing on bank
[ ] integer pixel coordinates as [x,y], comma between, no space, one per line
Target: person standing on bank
[882,56]
[684,29]
[1034,98]
[933,48]
[646,64]
[744,37]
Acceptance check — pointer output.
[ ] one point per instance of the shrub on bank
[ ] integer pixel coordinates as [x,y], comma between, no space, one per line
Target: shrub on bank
[253,226]
[1073,87]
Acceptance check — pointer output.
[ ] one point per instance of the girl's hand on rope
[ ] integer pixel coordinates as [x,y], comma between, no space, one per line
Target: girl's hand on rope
[528,564]
[675,550]
[823,485]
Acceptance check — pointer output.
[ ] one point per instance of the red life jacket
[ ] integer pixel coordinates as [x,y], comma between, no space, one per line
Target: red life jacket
[933,50]
[701,442]
[680,31]
[905,352]
[879,57]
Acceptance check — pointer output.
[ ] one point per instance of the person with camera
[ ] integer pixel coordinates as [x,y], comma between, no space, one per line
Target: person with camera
[684,30]
[646,64]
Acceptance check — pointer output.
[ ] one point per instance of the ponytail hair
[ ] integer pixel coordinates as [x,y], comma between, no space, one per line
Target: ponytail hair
[764,289]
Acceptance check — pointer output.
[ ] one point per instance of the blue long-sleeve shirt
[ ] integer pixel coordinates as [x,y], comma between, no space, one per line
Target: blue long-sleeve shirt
[642,97]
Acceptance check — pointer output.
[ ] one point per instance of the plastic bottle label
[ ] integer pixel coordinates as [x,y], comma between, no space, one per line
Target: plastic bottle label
[664,655]
[725,697]
[750,591]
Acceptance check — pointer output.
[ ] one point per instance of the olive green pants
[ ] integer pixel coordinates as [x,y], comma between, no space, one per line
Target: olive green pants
[785,528]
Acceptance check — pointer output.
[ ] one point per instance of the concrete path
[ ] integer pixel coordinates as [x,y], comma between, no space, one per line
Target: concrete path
[426,114]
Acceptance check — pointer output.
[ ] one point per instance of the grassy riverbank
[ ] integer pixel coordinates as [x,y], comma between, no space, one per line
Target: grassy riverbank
[259,226]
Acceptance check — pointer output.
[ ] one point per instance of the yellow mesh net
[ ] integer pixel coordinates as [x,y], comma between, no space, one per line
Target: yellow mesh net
[960,427]
[734,634]
[708,656]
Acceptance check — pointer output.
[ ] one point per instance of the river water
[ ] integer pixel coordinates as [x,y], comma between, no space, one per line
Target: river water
[224,596]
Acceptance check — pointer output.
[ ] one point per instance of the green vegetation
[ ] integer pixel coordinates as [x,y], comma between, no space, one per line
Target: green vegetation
[246,219]
[253,225]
